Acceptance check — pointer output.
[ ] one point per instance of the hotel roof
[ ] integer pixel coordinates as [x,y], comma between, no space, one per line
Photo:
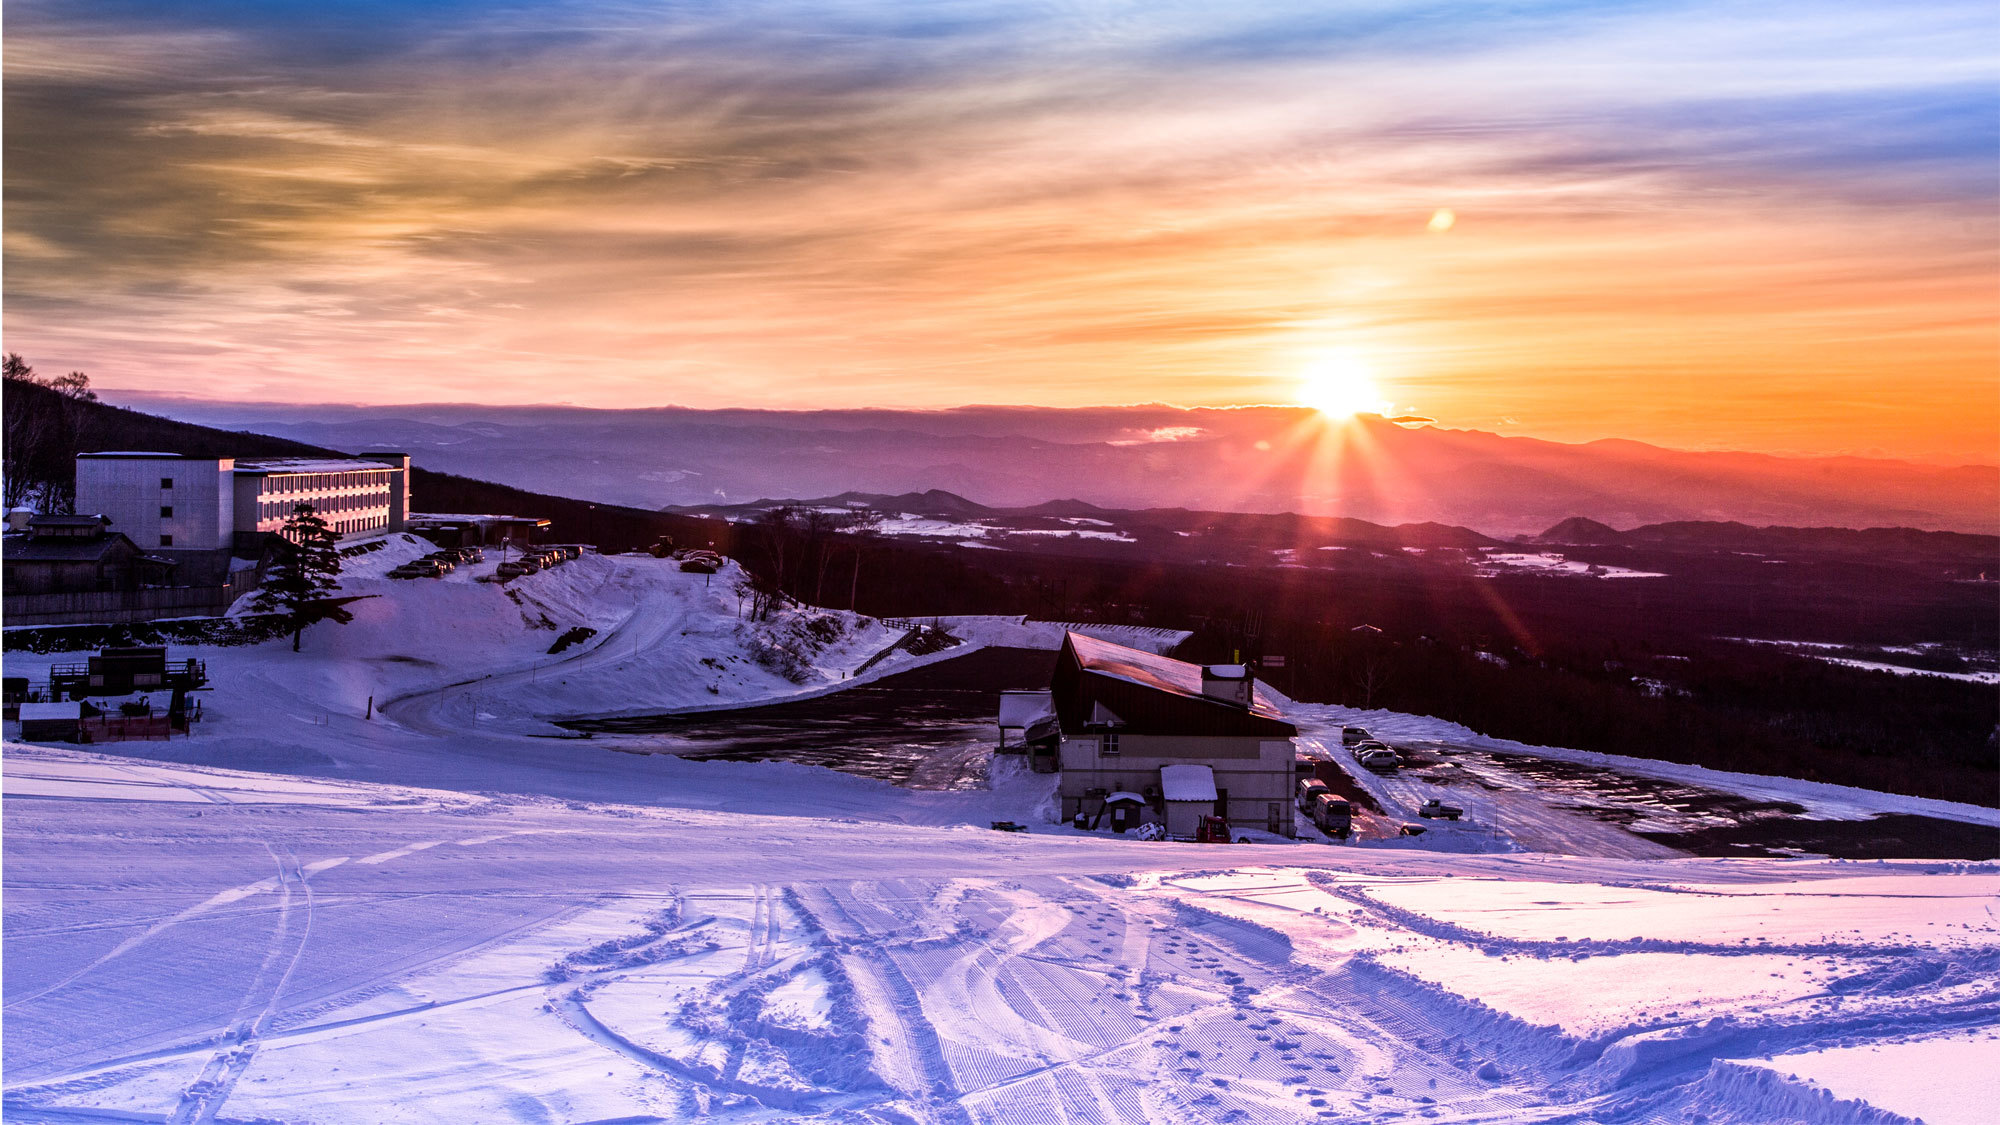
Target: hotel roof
[278,465]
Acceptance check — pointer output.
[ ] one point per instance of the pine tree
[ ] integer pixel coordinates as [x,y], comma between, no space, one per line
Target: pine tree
[304,574]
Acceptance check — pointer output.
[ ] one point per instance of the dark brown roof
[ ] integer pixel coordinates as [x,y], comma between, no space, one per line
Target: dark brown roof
[61,549]
[1151,694]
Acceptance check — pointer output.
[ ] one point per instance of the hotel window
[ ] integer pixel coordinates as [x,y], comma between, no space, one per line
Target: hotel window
[166,540]
[166,511]
[166,482]
[1110,744]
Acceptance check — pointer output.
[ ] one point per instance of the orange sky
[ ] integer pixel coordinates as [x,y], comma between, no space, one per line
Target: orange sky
[1700,226]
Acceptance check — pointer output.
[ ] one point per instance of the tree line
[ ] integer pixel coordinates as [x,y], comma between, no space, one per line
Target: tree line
[48,420]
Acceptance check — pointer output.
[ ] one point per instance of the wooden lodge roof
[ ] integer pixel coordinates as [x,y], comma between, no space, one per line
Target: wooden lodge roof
[1150,694]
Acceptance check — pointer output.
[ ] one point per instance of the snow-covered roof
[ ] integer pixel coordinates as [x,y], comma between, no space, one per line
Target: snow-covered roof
[458,517]
[307,465]
[1226,672]
[1151,670]
[45,712]
[1023,709]
[143,453]
[1124,795]
[1187,783]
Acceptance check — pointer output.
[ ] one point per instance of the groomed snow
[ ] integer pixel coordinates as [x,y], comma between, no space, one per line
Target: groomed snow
[360,952]
[1865,910]
[1941,1080]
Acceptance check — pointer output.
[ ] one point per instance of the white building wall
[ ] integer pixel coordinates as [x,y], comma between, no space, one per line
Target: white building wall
[1256,773]
[194,513]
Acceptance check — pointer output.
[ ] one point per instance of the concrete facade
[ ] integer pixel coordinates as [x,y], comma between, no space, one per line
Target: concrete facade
[353,497]
[161,501]
[165,502]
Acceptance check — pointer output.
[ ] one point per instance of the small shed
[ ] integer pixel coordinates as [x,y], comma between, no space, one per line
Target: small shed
[52,722]
[1126,809]
[1190,795]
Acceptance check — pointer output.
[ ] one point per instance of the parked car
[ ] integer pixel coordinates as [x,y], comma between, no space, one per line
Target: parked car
[1381,761]
[515,568]
[1367,744]
[1333,815]
[1435,808]
[1309,792]
[1351,735]
[418,568]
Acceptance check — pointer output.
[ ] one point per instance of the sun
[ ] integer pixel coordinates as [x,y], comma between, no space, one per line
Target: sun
[1341,387]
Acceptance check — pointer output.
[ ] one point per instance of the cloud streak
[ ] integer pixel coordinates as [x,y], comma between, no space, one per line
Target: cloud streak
[1693,224]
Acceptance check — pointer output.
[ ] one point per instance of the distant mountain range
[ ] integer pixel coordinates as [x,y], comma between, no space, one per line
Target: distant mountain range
[952,511]
[1874,542]
[1252,459]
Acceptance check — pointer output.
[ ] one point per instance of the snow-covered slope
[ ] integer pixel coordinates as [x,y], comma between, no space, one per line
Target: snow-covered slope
[189,944]
[438,910]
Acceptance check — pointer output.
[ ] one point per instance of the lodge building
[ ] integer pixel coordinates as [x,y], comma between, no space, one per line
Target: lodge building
[1147,738]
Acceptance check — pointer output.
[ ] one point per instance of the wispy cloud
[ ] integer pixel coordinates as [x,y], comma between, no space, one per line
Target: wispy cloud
[1660,209]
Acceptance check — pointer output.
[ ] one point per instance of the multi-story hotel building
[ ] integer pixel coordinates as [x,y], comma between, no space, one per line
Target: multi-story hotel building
[166,502]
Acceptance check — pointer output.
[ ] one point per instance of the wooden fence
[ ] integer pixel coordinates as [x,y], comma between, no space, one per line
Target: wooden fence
[93,607]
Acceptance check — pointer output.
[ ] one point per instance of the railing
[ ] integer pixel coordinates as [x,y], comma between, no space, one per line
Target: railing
[128,728]
[189,673]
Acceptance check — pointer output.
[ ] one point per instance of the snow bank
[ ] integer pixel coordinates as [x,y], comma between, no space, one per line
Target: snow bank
[1942,1080]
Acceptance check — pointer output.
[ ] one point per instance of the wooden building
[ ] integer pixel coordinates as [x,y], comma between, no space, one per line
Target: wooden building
[1129,719]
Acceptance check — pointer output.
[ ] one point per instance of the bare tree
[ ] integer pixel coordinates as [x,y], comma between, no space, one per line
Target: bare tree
[778,525]
[819,528]
[1372,674]
[44,433]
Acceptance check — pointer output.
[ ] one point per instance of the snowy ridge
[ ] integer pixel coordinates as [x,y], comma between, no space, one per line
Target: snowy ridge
[1733,1089]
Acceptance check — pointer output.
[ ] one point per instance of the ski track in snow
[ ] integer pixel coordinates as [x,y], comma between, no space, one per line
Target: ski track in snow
[556,933]
[1038,980]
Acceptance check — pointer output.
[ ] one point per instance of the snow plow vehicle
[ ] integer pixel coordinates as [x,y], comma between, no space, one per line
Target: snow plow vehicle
[1434,809]
[1212,830]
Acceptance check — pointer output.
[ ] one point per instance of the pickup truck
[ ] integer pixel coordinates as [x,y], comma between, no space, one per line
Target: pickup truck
[1435,808]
